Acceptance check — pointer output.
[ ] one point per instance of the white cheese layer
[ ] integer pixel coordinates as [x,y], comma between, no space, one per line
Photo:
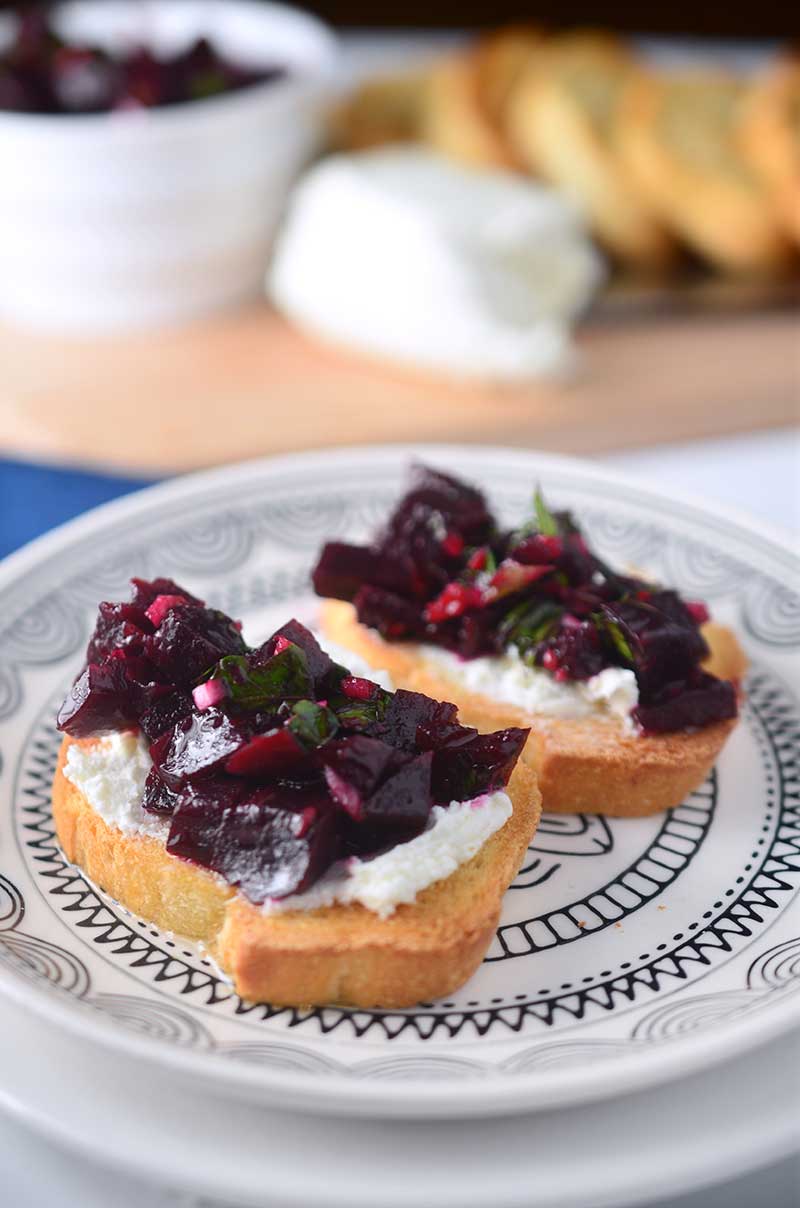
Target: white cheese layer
[455,834]
[613,692]
[406,256]
[111,774]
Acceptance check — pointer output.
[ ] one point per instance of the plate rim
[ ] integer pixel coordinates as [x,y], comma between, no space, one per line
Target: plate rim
[340,1094]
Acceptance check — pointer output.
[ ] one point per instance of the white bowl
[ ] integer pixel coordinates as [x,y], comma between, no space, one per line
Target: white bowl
[123,220]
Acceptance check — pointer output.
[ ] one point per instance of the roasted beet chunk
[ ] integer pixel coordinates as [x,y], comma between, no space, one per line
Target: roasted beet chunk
[354,767]
[268,851]
[403,802]
[320,664]
[119,627]
[190,640]
[165,713]
[393,617]
[269,756]
[98,702]
[195,747]
[343,568]
[158,797]
[687,706]
[479,766]
[657,636]
[145,592]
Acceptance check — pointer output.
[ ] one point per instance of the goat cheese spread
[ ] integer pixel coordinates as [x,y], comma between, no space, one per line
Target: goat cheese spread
[469,274]
[505,677]
[110,773]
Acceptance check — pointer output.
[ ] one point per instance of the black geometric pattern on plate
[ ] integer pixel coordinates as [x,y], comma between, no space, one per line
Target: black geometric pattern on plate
[117,936]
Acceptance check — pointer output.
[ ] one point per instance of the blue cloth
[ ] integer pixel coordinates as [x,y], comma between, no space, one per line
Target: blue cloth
[35,498]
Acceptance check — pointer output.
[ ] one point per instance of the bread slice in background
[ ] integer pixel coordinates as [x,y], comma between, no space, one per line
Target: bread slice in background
[561,123]
[581,766]
[337,954]
[769,137]
[678,135]
[386,109]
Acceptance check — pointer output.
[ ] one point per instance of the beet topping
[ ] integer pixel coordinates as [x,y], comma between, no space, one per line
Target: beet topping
[40,72]
[443,571]
[271,763]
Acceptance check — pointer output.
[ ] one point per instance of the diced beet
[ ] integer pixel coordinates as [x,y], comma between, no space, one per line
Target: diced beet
[196,747]
[538,549]
[320,664]
[391,615]
[342,569]
[345,795]
[706,701]
[165,713]
[161,606]
[403,802]
[358,688]
[119,626]
[453,601]
[358,762]
[271,755]
[97,703]
[479,766]
[408,712]
[512,576]
[158,797]
[266,850]
[190,640]
[145,592]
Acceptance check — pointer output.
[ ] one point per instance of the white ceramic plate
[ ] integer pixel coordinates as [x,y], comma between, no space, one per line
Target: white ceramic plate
[633,1149]
[629,952]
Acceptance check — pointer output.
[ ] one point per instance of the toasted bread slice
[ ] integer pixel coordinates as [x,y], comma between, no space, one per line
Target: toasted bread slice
[678,135]
[500,59]
[456,121]
[770,137]
[560,120]
[582,766]
[337,954]
[387,109]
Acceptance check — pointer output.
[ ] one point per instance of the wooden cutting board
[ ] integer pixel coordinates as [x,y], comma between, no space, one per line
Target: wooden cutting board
[246,384]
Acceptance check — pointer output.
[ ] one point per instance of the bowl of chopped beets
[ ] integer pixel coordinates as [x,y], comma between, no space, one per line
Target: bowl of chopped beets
[149,148]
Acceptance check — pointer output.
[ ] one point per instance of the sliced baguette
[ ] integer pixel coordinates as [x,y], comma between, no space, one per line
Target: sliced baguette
[560,121]
[678,136]
[456,121]
[338,954]
[769,137]
[582,766]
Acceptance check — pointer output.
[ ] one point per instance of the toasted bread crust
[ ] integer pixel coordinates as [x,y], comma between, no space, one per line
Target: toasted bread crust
[769,137]
[556,122]
[338,954]
[582,766]
[715,204]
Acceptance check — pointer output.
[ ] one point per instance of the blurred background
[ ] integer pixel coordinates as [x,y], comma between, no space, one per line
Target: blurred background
[230,228]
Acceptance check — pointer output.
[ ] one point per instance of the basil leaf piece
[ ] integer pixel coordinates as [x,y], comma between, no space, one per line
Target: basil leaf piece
[283,677]
[614,630]
[526,625]
[545,520]
[361,714]
[312,724]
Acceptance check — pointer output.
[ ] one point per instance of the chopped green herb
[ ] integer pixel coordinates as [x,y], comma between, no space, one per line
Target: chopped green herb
[283,677]
[312,724]
[545,520]
[361,714]
[528,624]
[607,625]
